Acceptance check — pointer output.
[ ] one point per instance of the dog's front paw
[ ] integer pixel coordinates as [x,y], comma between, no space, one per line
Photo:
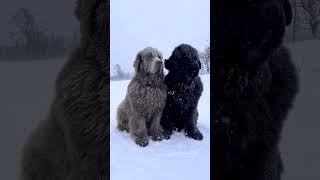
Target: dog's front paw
[141,141]
[122,128]
[159,137]
[156,134]
[195,134]
[177,129]
[167,134]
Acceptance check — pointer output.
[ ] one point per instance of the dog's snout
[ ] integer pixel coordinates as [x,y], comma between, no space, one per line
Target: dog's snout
[156,66]
[158,62]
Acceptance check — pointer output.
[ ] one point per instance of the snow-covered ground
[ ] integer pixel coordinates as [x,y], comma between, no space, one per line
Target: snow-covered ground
[179,158]
[300,145]
[26,92]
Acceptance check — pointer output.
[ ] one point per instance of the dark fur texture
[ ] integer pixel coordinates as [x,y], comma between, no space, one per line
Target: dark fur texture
[140,112]
[184,91]
[73,142]
[254,85]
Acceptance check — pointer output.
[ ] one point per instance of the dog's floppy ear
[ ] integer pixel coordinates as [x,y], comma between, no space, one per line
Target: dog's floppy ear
[288,11]
[137,62]
[167,64]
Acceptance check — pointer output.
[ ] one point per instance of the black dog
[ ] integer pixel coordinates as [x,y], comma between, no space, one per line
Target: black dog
[254,86]
[184,90]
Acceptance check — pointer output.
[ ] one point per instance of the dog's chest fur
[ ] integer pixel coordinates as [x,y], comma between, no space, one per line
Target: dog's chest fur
[147,97]
[181,95]
[241,113]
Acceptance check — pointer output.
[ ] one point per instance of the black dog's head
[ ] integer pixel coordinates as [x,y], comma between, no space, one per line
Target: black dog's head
[248,30]
[184,63]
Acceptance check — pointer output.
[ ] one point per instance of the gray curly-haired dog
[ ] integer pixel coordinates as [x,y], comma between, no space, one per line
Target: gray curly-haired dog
[140,112]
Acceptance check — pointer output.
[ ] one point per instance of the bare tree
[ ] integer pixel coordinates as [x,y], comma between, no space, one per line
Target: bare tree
[119,74]
[312,9]
[295,13]
[28,33]
[306,18]
[205,59]
[32,40]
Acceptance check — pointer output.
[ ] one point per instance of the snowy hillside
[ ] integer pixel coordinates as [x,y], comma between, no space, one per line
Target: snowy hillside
[178,158]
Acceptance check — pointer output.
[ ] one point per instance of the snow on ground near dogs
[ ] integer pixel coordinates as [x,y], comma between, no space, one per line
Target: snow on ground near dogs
[179,158]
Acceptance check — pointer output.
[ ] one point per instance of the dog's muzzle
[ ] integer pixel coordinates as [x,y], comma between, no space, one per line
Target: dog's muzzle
[156,66]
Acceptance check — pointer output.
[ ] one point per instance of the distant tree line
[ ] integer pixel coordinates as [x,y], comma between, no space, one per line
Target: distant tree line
[119,74]
[30,40]
[306,20]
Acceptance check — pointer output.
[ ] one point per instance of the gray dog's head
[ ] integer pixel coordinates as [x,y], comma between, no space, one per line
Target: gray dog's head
[149,61]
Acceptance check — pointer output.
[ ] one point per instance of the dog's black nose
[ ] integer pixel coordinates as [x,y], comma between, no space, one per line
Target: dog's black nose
[159,62]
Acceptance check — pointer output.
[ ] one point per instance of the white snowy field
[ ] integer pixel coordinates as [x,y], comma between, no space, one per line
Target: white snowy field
[179,158]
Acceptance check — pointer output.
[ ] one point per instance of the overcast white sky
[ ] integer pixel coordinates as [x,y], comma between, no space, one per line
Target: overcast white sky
[162,24]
